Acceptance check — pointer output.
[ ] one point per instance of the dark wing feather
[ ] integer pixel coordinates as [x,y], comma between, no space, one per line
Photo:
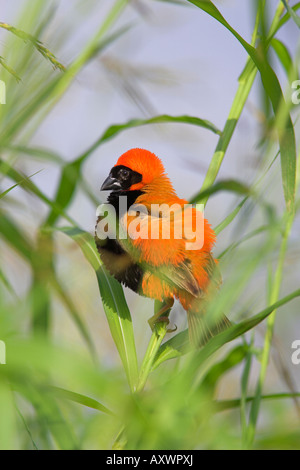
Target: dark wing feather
[181,276]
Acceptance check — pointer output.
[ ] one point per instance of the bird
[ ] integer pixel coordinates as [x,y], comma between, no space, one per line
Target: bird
[150,252]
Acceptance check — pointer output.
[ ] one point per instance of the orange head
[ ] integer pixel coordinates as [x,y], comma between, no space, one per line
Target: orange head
[135,169]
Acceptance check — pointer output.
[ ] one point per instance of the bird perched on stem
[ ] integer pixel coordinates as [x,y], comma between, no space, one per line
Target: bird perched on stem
[161,245]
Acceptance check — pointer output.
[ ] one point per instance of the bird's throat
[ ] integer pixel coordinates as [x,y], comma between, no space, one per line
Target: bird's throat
[129,198]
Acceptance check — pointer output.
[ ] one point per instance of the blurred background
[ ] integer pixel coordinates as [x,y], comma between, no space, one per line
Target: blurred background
[153,58]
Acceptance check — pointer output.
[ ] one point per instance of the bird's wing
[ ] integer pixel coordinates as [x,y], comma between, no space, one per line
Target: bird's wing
[181,277]
[151,234]
[157,240]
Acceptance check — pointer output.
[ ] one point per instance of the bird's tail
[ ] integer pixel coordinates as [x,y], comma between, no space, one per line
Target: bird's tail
[201,330]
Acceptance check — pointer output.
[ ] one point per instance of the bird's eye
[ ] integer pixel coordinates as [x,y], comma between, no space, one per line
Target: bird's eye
[124,174]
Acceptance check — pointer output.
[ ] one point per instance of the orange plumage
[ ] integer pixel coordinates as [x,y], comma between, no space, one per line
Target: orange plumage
[160,267]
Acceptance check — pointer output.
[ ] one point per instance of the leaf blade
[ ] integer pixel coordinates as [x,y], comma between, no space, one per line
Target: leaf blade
[114,303]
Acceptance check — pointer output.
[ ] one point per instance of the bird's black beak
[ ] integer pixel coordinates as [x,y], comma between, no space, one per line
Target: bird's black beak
[110,183]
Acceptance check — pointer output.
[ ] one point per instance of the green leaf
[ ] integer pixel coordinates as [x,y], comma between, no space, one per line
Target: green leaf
[234,186]
[9,69]
[72,310]
[174,347]
[292,13]
[222,405]
[17,184]
[114,303]
[47,96]
[7,284]
[248,236]
[36,152]
[13,235]
[71,175]
[179,344]
[7,170]
[161,119]
[175,2]
[230,217]
[81,399]
[233,358]
[271,84]
[240,328]
[282,54]
[7,432]
[49,414]
[286,17]
[36,43]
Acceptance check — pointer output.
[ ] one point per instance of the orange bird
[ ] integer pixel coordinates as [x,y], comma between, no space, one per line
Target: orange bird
[161,247]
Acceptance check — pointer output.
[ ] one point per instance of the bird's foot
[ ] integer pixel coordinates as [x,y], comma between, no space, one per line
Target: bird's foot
[165,319]
[159,317]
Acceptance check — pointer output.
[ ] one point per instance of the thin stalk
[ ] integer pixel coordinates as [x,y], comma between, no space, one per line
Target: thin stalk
[245,84]
[246,81]
[274,293]
[222,405]
[89,50]
[57,87]
[244,389]
[273,297]
[158,335]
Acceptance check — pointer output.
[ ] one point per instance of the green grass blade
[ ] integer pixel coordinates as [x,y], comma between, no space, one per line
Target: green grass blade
[72,310]
[36,43]
[36,152]
[179,344]
[47,96]
[71,174]
[50,416]
[234,245]
[174,347]
[116,129]
[8,428]
[114,303]
[286,17]
[233,186]
[81,399]
[230,217]
[70,177]
[271,84]
[292,13]
[233,358]
[9,69]
[13,235]
[28,185]
[241,328]
[283,54]
[245,379]
[223,405]
[17,184]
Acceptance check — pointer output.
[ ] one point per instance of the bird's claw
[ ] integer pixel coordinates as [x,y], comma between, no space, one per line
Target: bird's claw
[153,321]
[171,330]
[162,319]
